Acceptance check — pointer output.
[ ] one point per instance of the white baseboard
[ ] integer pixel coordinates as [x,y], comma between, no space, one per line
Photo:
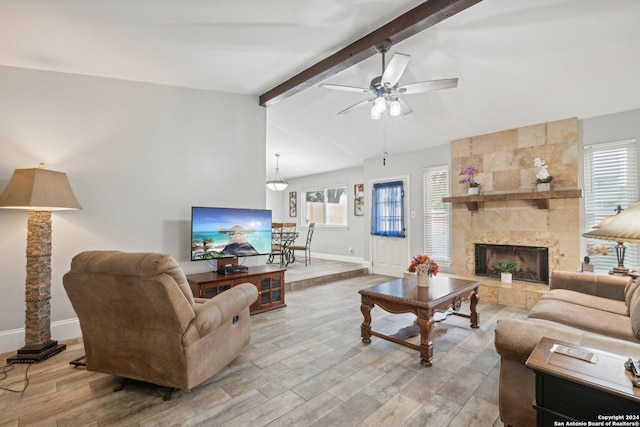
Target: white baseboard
[343,258]
[13,339]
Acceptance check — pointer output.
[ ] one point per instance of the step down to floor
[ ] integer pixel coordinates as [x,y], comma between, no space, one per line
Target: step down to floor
[320,280]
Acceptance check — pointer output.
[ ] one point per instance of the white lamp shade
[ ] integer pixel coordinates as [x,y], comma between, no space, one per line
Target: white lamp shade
[275,185]
[395,108]
[380,105]
[624,227]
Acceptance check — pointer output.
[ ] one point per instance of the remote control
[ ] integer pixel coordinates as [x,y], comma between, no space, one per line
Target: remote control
[574,352]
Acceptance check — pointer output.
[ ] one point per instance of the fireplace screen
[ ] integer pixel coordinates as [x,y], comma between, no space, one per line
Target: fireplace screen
[533,262]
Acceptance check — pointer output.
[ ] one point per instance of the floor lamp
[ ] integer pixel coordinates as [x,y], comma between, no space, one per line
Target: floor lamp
[39,191]
[621,228]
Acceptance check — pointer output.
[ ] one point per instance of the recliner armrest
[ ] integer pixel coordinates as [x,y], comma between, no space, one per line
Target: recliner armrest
[601,285]
[223,307]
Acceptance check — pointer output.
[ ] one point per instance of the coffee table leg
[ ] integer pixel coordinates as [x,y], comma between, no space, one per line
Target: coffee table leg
[426,345]
[475,317]
[365,328]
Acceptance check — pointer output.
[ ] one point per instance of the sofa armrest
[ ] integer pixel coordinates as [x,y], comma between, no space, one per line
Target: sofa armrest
[515,339]
[223,307]
[601,285]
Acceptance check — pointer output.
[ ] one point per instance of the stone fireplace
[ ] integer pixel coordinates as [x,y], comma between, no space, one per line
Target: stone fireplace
[505,163]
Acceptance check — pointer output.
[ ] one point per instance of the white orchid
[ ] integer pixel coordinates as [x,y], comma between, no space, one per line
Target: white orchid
[543,174]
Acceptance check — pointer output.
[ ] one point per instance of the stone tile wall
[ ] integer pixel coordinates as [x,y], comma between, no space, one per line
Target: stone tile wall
[505,163]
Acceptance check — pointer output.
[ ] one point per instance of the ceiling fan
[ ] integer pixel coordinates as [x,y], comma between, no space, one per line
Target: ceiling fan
[385,87]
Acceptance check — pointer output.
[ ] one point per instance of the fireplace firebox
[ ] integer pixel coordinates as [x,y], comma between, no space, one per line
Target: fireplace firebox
[533,262]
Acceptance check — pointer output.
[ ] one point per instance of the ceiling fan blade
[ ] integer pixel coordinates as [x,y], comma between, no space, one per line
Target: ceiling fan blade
[346,88]
[404,108]
[395,69]
[427,86]
[357,106]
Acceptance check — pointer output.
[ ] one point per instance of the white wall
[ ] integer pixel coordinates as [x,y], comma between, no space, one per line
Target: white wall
[332,241]
[138,156]
[278,202]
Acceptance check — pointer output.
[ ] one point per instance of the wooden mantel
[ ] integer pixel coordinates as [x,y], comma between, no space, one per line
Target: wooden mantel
[539,198]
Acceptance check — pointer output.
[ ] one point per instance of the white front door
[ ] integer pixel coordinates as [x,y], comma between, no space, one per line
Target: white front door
[390,255]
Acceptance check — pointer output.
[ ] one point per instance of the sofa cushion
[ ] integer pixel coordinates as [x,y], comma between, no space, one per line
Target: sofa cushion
[602,285]
[586,300]
[585,318]
[629,291]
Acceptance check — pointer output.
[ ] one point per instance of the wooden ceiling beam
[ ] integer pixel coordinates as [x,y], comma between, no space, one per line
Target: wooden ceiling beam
[406,25]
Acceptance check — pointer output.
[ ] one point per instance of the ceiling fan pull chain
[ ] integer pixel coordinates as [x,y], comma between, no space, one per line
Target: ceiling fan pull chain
[384,140]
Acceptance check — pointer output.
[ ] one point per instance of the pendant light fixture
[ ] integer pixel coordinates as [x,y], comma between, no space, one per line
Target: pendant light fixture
[277,183]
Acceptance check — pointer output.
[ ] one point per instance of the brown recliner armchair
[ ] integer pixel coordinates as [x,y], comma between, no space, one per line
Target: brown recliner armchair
[140,321]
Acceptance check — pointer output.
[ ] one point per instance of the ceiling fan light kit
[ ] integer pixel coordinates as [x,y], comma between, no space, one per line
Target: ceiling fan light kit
[385,87]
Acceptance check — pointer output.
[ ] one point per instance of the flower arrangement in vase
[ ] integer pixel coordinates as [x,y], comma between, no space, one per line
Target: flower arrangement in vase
[468,173]
[543,179]
[424,267]
[597,249]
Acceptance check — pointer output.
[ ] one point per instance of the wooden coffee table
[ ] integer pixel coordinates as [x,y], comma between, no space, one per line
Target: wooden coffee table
[404,296]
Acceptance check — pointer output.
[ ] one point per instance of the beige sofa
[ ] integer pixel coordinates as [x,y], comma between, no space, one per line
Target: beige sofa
[598,311]
[140,321]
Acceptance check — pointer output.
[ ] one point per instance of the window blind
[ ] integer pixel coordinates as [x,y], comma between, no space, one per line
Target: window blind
[437,214]
[610,179]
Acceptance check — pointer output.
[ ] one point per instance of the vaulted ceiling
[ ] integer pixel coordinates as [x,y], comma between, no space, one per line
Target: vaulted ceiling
[519,62]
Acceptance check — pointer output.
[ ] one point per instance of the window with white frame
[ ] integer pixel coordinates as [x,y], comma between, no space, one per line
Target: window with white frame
[437,214]
[326,205]
[610,179]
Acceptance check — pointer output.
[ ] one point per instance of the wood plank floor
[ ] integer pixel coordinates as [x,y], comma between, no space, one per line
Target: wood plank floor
[305,366]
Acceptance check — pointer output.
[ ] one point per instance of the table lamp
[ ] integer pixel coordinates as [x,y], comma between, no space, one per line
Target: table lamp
[622,228]
[39,191]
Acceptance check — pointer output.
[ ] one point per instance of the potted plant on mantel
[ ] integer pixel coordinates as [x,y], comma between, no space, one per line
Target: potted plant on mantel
[506,268]
[543,179]
[468,179]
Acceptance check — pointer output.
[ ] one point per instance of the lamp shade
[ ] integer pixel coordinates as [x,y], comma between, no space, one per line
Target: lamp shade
[624,227]
[39,189]
[277,183]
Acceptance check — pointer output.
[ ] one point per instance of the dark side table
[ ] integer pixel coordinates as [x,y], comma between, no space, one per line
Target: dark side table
[571,389]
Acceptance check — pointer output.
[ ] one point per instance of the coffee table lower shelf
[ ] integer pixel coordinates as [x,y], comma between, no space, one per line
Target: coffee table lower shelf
[444,295]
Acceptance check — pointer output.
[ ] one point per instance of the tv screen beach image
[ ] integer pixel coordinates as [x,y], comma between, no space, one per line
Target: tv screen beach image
[228,232]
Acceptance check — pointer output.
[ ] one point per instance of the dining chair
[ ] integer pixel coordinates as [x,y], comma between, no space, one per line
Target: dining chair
[306,247]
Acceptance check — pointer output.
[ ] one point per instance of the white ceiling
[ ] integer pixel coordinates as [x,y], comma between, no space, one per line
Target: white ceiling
[519,62]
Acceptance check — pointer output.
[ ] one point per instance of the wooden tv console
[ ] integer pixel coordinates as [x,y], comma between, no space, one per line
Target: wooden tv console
[268,279]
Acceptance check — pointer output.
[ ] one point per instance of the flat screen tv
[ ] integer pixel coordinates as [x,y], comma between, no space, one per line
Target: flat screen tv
[229,233]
